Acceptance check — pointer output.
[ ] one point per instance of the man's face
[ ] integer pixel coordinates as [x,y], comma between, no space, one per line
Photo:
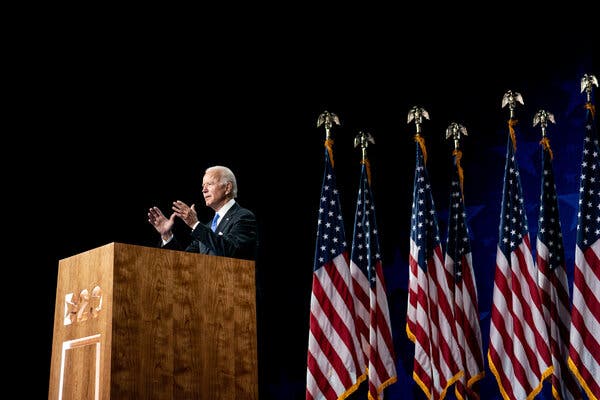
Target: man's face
[213,191]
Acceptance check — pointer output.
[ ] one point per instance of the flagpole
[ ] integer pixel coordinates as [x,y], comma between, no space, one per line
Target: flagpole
[512,99]
[541,118]
[363,139]
[456,131]
[328,119]
[416,115]
[587,84]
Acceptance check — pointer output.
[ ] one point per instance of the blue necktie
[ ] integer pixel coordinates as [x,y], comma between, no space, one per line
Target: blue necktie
[213,226]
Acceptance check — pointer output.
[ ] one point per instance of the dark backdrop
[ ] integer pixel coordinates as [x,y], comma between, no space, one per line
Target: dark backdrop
[130,113]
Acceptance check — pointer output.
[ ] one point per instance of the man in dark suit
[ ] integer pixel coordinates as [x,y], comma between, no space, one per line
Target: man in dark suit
[233,232]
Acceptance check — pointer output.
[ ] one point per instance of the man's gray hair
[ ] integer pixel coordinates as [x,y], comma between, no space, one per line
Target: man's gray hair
[225,175]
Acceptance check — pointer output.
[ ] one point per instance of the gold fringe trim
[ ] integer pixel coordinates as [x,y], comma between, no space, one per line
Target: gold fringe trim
[457,156]
[535,390]
[592,109]
[426,390]
[353,388]
[368,167]
[511,124]
[421,140]
[329,147]
[580,378]
[385,384]
[546,143]
[469,384]
[410,335]
[539,388]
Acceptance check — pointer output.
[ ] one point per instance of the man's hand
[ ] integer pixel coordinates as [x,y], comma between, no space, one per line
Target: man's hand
[186,213]
[162,224]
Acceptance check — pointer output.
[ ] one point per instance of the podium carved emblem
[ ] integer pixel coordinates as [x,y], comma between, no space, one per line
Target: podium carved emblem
[79,307]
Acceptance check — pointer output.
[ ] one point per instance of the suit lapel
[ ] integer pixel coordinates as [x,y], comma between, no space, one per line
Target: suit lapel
[226,219]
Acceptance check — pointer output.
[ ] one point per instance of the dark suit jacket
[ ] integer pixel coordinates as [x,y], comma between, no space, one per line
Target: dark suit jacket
[236,236]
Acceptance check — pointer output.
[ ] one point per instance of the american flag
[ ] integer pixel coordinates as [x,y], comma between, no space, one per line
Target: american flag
[584,351]
[459,261]
[518,352]
[430,316]
[553,281]
[335,358]
[370,294]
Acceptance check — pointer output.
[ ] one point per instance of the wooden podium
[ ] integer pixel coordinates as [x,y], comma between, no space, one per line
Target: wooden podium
[135,322]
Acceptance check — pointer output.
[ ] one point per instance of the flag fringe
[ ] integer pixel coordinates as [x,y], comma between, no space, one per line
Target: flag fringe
[592,108]
[546,143]
[421,140]
[367,165]
[511,129]
[470,383]
[457,156]
[580,378]
[353,388]
[382,387]
[549,371]
[329,147]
